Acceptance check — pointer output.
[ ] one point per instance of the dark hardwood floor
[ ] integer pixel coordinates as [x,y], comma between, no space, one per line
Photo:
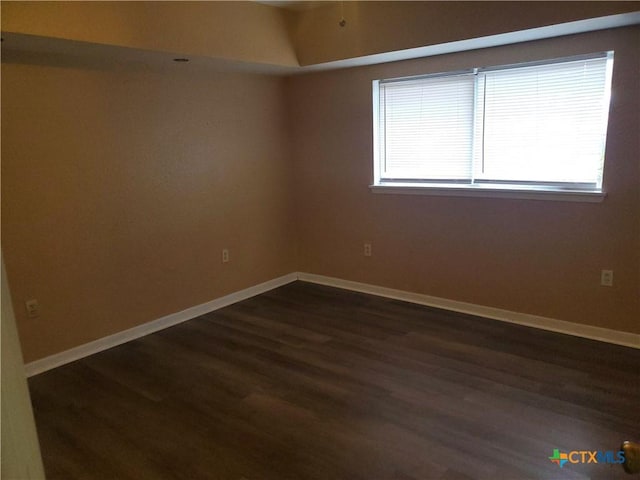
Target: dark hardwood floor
[311,382]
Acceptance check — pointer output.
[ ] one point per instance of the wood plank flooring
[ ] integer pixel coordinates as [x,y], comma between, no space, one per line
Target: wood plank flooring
[311,382]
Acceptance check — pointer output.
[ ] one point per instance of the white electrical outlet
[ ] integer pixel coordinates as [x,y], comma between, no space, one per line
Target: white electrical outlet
[606,278]
[225,255]
[33,308]
[367,249]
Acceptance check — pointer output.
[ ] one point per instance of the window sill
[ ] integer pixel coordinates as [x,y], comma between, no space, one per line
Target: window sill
[522,193]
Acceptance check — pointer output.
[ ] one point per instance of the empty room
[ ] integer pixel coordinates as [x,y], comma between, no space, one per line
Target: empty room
[374,240]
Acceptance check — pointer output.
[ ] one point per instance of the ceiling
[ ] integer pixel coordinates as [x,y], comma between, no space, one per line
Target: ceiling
[33,49]
[43,33]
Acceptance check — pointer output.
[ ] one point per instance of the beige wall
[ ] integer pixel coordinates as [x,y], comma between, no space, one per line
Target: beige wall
[121,187]
[383,26]
[536,257]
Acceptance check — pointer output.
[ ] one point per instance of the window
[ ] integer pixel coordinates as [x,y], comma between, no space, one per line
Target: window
[531,128]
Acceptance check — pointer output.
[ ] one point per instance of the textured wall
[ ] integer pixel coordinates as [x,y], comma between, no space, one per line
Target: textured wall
[529,256]
[120,188]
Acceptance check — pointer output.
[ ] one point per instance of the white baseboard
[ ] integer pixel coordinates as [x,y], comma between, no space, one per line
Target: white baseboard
[587,331]
[58,359]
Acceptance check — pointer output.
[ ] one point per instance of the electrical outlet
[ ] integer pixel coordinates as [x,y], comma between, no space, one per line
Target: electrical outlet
[33,308]
[225,255]
[606,278]
[367,249]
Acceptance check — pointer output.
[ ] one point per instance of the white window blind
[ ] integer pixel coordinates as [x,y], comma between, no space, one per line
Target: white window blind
[540,125]
[428,127]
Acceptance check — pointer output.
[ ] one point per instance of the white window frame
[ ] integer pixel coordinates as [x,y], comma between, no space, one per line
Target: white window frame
[520,190]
